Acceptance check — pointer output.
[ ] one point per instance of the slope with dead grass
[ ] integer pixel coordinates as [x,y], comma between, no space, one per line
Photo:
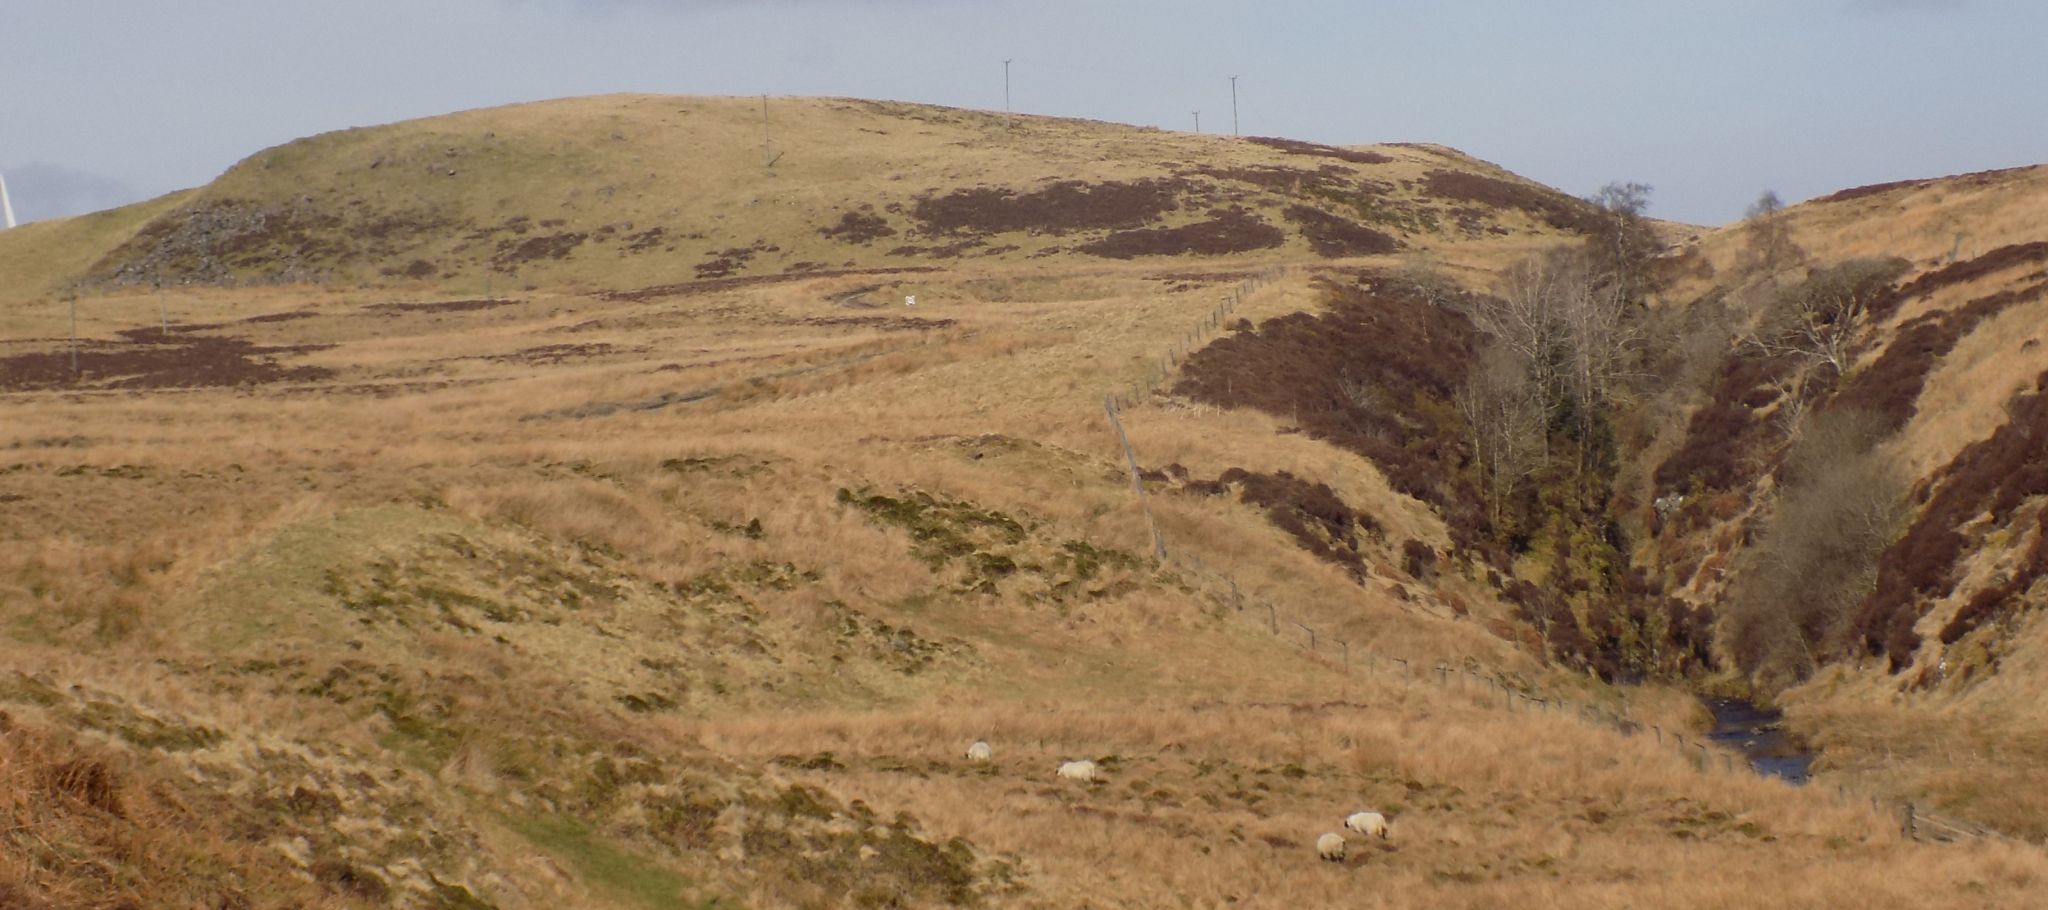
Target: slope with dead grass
[681,577]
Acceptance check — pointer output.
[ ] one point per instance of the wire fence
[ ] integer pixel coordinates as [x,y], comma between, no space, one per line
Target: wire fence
[1160,375]
[1490,686]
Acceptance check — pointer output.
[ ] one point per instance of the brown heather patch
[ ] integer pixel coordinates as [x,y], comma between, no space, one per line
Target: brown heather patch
[1974,179]
[1994,476]
[281,317]
[1227,231]
[1059,208]
[953,250]
[859,227]
[1874,189]
[2000,602]
[512,253]
[1310,512]
[555,353]
[1297,147]
[1279,180]
[1373,373]
[686,288]
[1334,237]
[150,360]
[2006,257]
[1549,206]
[1891,386]
[733,259]
[882,323]
[1725,438]
[440,306]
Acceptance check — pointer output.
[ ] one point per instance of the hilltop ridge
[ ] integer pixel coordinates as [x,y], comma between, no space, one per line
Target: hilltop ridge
[625,189]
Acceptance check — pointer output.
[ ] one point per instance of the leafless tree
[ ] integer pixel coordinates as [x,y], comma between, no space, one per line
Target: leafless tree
[1819,319]
[1841,502]
[1506,418]
[1768,247]
[1624,243]
[1526,317]
[1574,335]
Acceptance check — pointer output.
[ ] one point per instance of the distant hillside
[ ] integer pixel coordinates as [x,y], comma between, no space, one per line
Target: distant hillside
[638,189]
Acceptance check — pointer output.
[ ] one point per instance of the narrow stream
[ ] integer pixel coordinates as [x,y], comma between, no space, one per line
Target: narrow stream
[1759,734]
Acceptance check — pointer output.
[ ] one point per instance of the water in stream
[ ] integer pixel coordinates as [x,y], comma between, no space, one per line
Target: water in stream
[1759,734]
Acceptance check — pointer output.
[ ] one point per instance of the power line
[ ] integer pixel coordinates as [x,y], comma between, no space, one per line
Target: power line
[1233,105]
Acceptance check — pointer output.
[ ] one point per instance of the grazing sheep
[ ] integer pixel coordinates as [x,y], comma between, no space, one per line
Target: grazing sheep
[980,752]
[1330,847]
[1370,824]
[1083,771]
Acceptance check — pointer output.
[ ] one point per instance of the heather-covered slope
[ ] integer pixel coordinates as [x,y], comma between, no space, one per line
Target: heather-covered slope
[628,190]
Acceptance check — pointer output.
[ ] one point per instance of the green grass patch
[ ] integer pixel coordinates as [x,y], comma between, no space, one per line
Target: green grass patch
[609,869]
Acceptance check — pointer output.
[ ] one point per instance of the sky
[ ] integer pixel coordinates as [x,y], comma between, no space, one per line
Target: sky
[104,102]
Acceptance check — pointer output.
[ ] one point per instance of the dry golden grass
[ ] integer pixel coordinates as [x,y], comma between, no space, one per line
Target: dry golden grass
[539,591]
[213,547]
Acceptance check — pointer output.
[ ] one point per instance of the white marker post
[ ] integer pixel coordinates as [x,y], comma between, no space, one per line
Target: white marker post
[6,204]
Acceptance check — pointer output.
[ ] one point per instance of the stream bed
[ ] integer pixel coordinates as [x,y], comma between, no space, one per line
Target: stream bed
[1759,735]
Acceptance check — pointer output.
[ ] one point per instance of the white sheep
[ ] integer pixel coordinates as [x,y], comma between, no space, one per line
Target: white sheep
[1083,771]
[1330,847]
[1370,824]
[980,752]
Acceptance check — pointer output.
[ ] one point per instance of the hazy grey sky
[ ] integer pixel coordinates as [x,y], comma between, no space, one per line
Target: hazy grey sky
[1710,102]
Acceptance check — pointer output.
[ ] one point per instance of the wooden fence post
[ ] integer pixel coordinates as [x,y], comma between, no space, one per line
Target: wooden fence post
[1137,482]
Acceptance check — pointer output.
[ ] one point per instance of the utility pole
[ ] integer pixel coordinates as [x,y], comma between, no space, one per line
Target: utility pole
[74,336]
[1233,105]
[767,160]
[1006,85]
[163,315]
[1198,120]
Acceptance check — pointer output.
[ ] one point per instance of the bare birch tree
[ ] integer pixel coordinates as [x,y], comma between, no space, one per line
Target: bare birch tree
[1506,420]
[1768,247]
[1819,319]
